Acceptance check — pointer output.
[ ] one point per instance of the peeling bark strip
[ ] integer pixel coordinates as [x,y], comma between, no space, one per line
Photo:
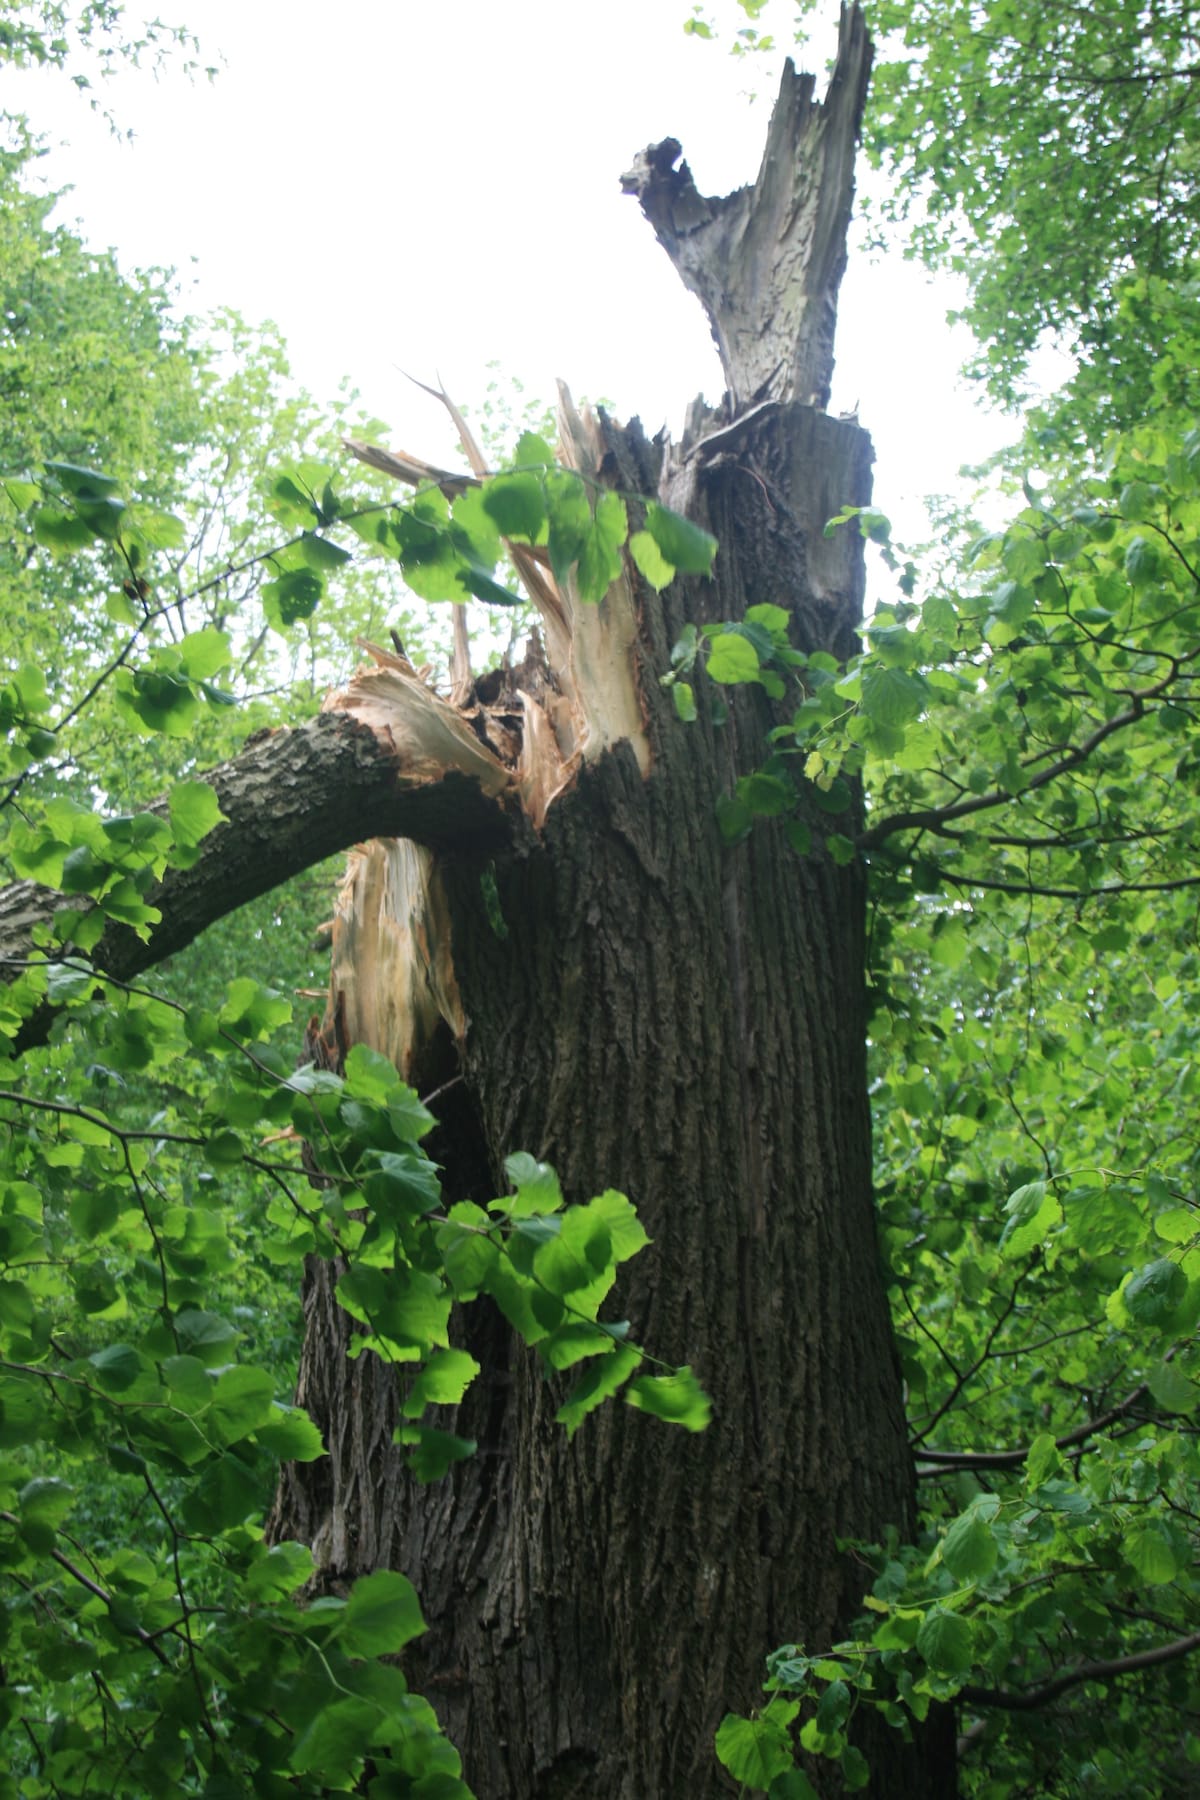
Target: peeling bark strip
[615,991]
[767,261]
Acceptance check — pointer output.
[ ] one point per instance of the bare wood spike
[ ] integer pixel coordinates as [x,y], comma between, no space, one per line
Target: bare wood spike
[766,261]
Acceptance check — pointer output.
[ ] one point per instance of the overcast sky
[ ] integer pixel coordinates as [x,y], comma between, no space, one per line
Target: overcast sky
[435,189]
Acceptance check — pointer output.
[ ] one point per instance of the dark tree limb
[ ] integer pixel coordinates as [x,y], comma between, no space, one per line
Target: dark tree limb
[766,261]
[933,818]
[1070,893]
[1027,1699]
[941,1462]
[290,799]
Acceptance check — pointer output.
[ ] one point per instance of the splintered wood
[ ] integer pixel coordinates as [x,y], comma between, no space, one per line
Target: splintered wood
[566,704]
[391,972]
[521,731]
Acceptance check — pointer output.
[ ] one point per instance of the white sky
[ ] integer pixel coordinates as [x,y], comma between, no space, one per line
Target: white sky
[436,188]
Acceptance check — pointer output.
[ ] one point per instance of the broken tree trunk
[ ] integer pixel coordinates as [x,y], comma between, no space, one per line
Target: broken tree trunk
[613,989]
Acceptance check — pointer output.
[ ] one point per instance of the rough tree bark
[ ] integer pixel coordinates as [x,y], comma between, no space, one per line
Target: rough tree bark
[649,1010]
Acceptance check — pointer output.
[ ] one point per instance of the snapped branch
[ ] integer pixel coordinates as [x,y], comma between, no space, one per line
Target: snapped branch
[291,799]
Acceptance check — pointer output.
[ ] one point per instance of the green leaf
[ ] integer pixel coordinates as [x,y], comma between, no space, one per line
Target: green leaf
[649,559]
[893,696]
[21,495]
[159,701]
[483,586]
[601,1380]
[46,1500]
[82,483]
[678,1398]
[407,1307]
[793,1784]
[1033,1212]
[1043,1460]
[227,1494]
[322,553]
[732,658]
[402,1185]
[515,505]
[251,1011]
[735,818]
[684,545]
[61,532]
[685,702]
[573,1343]
[833,1707]
[843,517]
[1150,1550]
[443,1382]
[241,1403]
[431,1452]
[204,653]
[381,1615]
[290,1435]
[469,1255]
[1155,1291]
[579,1252]
[766,795]
[194,811]
[407,1116]
[756,1750]
[369,1074]
[533,452]
[835,797]
[292,598]
[969,1548]
[856,1771]
[160,530]
[1141,562]
[626,1233]
[570,520]
[279,1571]
[332,1742]
[946,1642]
[773,619]
[190,1383]
[118,1367]
[1172,1388]
[600,563]
[536,1184]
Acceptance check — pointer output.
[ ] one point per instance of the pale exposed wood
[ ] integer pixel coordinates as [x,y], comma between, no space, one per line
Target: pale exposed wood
[460,658]
[392,979]
[428,736]
[543,770]
[595,659]
[403,467]
[767,261]
[594,702]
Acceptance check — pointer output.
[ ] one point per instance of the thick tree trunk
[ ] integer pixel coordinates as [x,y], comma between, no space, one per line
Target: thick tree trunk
[647,1009]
